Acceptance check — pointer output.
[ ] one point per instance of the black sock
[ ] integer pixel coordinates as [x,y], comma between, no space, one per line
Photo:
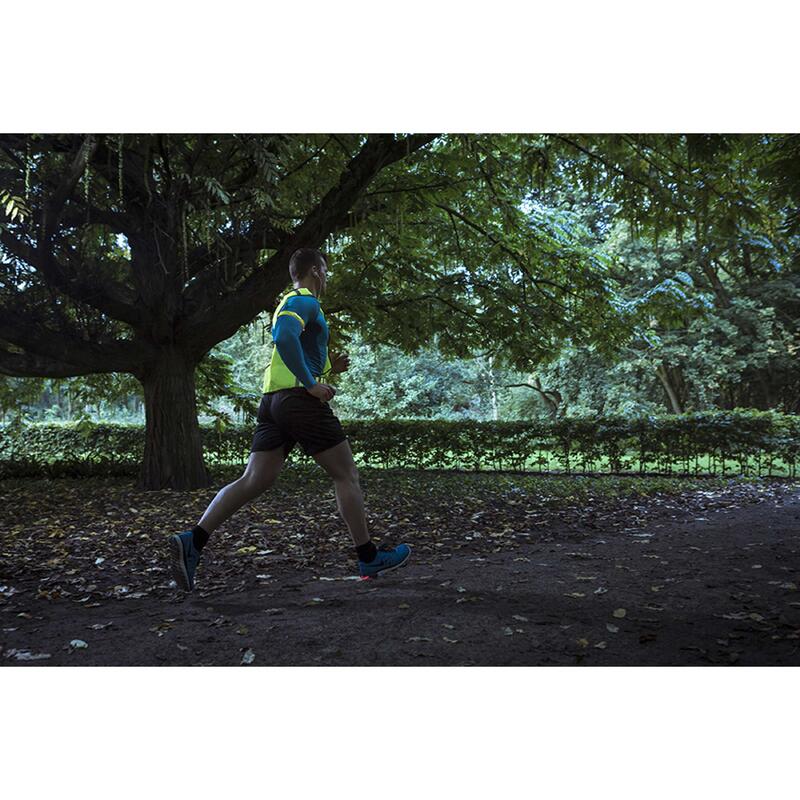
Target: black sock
[199,537]
[367,552]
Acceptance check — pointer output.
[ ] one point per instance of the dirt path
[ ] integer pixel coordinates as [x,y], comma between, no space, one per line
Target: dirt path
[666,586]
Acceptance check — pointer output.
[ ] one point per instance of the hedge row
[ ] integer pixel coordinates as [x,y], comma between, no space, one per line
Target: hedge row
[716,442]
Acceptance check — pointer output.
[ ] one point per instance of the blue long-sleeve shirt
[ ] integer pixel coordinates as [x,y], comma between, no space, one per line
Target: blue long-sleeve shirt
[303,345]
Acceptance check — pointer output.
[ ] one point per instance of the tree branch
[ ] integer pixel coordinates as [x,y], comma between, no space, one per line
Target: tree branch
[244,247]
[137,181]
[29,332]
[514,255]
[28,365]
[222,319]
[544,392]
[383,305]
[117,221]
[55,206]
[552,402]
[106,296]
[621,171]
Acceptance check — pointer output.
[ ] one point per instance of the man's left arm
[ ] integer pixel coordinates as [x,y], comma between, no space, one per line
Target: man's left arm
[339,364]
[326,370]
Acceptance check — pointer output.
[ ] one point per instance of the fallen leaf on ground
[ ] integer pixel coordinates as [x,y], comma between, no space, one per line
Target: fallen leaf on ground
[25,655]
[619,613]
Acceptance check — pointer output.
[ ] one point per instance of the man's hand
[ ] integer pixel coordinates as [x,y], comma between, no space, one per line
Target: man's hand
[322,391]
[339,363]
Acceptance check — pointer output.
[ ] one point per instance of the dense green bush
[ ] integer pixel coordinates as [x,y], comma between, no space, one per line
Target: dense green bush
[755,442]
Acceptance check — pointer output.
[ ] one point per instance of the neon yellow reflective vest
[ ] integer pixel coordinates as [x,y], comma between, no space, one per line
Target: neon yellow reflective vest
[277,375]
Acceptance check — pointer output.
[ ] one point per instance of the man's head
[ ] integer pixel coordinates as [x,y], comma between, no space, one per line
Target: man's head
[309,268]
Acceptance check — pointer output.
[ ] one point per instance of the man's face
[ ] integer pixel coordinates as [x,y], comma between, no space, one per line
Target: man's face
[323,272]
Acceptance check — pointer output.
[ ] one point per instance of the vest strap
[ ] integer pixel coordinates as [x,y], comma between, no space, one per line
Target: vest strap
[292,314]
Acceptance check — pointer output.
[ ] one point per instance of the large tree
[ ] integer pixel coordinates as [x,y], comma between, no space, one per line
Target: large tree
[196,266]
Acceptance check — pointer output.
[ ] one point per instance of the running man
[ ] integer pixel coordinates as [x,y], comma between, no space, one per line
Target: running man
[294,408]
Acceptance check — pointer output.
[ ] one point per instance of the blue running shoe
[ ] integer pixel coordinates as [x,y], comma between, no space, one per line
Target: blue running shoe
[387,558]
[184,559]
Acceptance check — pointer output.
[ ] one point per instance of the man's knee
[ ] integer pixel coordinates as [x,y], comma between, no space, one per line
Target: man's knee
[338,462]
[257,484]
[347,478]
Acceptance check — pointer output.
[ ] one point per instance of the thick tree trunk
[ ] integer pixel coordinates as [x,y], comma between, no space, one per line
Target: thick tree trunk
[173,452]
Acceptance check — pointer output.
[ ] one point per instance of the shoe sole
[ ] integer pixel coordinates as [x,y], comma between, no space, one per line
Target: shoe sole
[389,569]
[178,564]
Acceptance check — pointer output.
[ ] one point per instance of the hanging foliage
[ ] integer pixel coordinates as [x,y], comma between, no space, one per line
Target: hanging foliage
[120,141]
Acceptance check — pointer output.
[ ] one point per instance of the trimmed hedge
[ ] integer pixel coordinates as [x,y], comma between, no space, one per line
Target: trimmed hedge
[757,442]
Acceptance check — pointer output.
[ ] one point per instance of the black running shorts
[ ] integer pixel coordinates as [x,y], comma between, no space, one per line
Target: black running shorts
[288,416]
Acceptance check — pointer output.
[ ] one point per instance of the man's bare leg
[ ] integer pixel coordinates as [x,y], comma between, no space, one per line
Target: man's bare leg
[185,548]
[262,471]
[338,462]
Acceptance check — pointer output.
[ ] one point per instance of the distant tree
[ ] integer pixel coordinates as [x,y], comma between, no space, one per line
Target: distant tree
[715,217]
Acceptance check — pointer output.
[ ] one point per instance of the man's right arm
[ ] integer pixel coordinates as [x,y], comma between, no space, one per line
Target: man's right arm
[295,315]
